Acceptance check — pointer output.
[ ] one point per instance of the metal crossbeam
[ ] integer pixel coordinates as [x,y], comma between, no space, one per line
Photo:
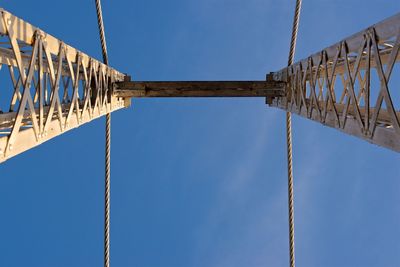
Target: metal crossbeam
[200,89]
[54,87]
[347,86]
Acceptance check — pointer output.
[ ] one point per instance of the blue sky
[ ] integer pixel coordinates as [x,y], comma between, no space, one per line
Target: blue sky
[201,182]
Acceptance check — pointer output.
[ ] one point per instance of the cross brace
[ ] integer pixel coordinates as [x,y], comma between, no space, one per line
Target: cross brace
[54,87]
[351,86]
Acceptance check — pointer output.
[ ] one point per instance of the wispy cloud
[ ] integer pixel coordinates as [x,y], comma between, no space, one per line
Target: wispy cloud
[262,225]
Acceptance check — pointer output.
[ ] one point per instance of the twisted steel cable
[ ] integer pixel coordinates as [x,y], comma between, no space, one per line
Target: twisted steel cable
[107,193]
[295,29]
[108,146]
[293,41]
[101,31]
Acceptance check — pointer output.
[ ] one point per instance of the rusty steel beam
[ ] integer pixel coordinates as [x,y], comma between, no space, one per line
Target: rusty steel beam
[200,89]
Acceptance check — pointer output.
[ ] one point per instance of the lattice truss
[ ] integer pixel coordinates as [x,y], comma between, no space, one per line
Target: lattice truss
[351,86]
[47,87]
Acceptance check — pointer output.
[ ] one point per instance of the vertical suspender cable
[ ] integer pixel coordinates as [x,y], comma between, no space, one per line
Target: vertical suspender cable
[108,146]
[289,139]
[107,193]
[101,31]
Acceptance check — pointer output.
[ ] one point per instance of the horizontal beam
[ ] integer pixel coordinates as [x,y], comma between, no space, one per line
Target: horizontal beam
[200,89]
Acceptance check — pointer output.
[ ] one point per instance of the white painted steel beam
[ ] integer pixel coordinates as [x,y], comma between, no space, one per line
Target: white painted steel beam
[351,85]
[53,87]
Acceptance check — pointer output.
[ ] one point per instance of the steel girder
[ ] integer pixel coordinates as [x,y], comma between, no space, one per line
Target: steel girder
[201,89]
[352,86]
[53,87]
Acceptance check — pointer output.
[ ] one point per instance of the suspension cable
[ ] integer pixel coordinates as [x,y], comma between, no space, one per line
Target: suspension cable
[101,31]
[288,136]
[108,146]
[289,139]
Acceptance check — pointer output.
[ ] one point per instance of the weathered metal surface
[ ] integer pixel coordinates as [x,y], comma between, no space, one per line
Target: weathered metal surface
[200,89]
[348,86]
